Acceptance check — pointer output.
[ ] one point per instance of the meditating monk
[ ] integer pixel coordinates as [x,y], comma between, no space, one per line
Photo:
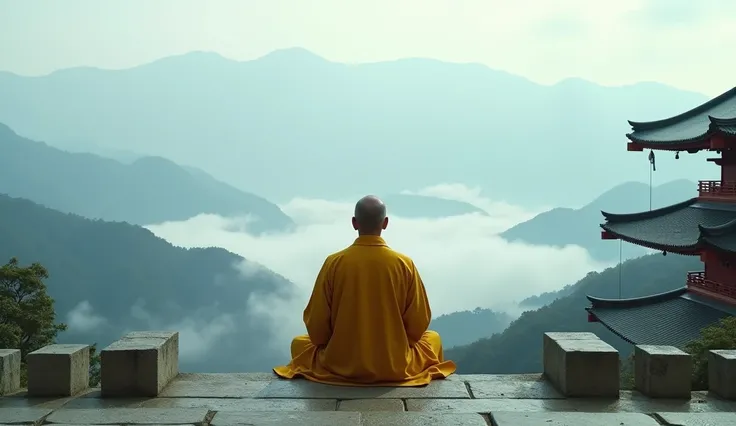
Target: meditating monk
[368,316]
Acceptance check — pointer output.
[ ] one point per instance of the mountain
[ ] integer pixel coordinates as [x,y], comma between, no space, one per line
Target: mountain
[422,206]
[518,349]
[564,226]
[294,124]
[108,278]
[149,190]
[462,328]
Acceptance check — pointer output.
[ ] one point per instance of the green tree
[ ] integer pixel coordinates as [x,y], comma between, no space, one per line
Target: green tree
[717,336]
[27,317]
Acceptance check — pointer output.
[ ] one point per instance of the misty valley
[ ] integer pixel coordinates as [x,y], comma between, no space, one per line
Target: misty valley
[179,196]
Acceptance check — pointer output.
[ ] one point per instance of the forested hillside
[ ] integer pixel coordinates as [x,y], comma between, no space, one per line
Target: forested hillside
[519,348]
[107,278]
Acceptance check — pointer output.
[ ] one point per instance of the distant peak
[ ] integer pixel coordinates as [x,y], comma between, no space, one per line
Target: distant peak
[293,54]
[6,130]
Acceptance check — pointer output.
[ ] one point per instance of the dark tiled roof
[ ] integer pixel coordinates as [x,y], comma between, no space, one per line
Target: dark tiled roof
[674,318]
[715,116]
[685,227]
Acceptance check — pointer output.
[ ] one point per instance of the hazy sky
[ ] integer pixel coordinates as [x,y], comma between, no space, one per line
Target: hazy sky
[678,42]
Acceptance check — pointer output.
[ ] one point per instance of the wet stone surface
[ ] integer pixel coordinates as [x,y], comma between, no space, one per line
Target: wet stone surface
[213,386]
[698,419]
[572,419]
[136,416]
[305,389]
[530,387]
[261,399]
[329,418]
[21,415]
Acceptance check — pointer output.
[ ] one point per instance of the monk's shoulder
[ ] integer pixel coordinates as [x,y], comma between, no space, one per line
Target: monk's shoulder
[405,260]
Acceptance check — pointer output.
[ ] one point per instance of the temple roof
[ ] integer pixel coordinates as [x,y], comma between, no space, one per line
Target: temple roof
[674,318]
[685,227]
[717,116]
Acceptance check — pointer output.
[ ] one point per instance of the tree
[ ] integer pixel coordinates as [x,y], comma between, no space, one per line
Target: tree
[27,317]
[721,335]
[26,310]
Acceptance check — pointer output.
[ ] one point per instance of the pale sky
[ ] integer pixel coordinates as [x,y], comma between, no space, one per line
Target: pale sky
[684,43]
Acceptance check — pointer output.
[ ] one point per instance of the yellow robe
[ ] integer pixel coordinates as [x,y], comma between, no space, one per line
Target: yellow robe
[367,323]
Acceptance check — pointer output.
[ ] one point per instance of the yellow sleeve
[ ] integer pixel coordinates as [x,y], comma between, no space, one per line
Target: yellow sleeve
[417,314]
[317,315]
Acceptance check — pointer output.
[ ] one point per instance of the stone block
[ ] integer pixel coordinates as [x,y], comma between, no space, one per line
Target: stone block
[722,373]
[141,363]
[581,365]
[662,371]
[58,370]
[9,371]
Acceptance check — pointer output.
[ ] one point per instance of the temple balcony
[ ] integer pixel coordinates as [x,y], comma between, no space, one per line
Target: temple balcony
[717,189]
[696,280]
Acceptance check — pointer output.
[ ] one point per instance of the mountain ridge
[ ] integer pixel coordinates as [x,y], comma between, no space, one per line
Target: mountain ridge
[149,190]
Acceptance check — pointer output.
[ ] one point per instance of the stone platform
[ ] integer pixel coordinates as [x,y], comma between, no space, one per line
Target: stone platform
[263,399]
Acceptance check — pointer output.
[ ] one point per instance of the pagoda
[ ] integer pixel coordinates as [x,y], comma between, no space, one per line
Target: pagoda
[703,226]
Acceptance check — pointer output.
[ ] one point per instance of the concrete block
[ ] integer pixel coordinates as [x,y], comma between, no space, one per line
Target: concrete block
[141,363]
[662,371]
[58,370]
[581,365]
[9,371]
[722,373]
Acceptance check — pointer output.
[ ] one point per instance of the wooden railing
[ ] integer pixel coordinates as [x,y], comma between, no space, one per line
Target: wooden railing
[716,188]
[697,280]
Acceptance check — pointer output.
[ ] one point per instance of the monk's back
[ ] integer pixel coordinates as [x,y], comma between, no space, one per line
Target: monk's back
[368,316]
[371,284]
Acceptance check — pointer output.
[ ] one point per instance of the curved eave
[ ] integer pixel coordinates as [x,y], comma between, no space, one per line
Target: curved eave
[611,329]
[598,302]
[686,250]
[628,217]
[700,109]
[727,228]
[691,144]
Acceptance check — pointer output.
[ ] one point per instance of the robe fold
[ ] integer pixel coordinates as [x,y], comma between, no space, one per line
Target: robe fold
[367,323]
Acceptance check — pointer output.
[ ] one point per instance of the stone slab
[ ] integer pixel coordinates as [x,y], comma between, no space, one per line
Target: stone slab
[58,370]
[722,373]
[23,415]
[629,402]
[304,389]
[212,386]
[313,418]
[698,419]
[501,418]
[581,367]
[141,363]
[514,386]
[247,404]
[364,405]
[422,419]
[23,401]
[662,371]
[136,416]
[9,371]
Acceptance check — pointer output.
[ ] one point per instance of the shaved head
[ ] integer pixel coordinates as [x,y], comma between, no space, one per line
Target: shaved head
[370,215]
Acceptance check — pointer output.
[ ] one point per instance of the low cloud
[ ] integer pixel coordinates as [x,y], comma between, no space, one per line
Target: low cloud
[463,262]
[83,319]
[198,333]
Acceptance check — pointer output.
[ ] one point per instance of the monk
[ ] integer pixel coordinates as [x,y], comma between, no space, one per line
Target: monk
[368,316]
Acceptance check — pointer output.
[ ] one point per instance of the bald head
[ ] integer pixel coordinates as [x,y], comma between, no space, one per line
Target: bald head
[370,215]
